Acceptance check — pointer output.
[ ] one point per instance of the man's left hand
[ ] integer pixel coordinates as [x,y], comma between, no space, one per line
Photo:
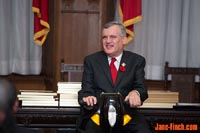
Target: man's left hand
[133,98]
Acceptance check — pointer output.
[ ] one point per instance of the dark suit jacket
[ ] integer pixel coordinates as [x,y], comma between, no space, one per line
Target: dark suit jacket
[97,78]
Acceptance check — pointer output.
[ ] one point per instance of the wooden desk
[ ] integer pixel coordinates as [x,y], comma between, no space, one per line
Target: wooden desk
[65,118]
[48,118]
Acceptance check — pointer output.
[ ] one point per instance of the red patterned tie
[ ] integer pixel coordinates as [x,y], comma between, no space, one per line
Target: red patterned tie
[113,70]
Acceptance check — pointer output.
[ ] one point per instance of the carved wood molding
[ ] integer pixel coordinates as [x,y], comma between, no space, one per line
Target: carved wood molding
[84,6]
[66,118]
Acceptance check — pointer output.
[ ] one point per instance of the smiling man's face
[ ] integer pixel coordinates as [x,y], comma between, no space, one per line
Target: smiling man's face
[112,40]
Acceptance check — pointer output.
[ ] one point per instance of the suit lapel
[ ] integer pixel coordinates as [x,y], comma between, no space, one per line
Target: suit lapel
[103,62]
[121,74]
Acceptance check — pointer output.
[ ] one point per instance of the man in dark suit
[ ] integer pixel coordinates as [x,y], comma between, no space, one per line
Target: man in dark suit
[8,106]
[129,82]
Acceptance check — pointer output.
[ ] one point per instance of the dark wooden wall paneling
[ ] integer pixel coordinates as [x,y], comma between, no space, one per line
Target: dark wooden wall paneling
[79,29]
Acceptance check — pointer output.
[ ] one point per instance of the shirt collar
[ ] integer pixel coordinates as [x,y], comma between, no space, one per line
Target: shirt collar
[118,58]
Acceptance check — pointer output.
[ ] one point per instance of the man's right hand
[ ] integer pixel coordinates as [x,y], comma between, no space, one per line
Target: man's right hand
[90,100]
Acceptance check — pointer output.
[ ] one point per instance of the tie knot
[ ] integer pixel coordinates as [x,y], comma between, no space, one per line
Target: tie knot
[113,60]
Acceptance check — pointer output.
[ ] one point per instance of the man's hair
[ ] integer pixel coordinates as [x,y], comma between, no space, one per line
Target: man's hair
[122,28]
[8,94]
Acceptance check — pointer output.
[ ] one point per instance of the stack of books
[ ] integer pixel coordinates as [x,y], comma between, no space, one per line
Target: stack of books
[68,94]
[39,98]
[161,99]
